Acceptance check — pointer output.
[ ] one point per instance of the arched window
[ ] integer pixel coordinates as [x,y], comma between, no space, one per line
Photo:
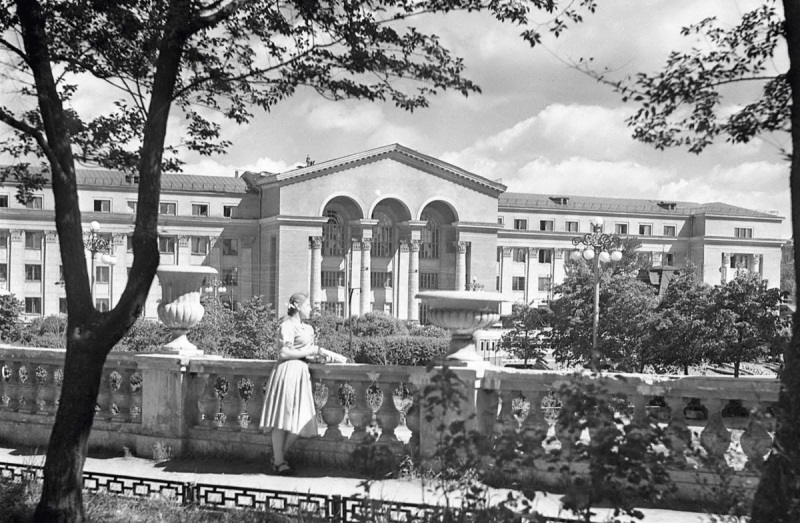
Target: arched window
[430,238]
[382,236]
[333,234]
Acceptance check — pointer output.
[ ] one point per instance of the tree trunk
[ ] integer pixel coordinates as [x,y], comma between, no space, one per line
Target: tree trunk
[777,499]
[62,500]
[736,368]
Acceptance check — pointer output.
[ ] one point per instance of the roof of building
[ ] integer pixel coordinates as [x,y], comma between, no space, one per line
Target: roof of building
[631,205]
[393,150]
[169,181]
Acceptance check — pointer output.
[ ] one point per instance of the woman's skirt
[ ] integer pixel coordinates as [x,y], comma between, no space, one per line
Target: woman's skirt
[289,400]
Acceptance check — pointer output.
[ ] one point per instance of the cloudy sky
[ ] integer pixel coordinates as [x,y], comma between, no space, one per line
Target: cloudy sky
[539,126]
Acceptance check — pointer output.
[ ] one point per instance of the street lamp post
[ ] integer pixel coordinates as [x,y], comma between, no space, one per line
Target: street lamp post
[597,247]
[96,244]
[215,287]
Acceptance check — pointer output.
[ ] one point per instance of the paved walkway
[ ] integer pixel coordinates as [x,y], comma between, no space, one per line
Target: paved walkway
[254,475]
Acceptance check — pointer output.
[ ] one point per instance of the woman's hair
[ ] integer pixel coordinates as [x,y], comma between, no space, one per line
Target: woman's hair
[295,302]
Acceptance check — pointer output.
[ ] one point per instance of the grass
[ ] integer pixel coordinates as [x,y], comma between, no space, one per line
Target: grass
[18,501]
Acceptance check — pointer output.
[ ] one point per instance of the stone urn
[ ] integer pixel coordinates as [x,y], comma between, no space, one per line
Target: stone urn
[462,313]
[180,307]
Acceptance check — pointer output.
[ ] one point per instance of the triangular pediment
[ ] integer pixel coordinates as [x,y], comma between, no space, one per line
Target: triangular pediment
[394,152]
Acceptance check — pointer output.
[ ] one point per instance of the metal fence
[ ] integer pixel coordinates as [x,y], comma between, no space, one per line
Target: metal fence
[338,509]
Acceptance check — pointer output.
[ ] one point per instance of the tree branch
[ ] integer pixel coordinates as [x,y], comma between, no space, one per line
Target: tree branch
[22,127]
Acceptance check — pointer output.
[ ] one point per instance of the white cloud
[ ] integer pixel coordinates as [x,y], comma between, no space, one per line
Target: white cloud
[354,117]
[211,167]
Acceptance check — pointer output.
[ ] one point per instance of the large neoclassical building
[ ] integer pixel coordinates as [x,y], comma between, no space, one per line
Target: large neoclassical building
[366,232]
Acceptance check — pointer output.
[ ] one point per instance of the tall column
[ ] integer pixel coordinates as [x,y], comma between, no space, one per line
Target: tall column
[183,254]
[757,263]
[403,281]
[505,269]
[366,287]
[315,293]
[726,262]
[461,265]
[413,279]
[532,287]
[16,263]
[353,279]
[119,272]
[658,259]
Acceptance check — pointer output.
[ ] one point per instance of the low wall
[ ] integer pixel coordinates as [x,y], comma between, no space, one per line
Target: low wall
[212,406]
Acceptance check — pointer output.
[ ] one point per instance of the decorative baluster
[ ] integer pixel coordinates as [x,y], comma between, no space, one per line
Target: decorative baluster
[388,416]
[677,430]
[413,420]
[136,383]
[244,387]
[360,413]
[117,397]
[221,388]
[5,377]
[25,400]
[58,381]
[715,438]
[755,440]
[333,411]
[534,426]
[506,421]
[42,376]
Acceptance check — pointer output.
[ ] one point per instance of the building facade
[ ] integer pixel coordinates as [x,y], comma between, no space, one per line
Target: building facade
[366,232]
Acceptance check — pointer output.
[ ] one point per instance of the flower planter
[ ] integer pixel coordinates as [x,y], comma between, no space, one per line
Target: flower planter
[180,307]
[462,313]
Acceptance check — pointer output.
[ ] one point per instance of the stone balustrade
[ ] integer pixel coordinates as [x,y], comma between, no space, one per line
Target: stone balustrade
[210,405]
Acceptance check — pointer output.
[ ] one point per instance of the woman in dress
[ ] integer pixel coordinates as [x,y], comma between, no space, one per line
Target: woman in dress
[289,400]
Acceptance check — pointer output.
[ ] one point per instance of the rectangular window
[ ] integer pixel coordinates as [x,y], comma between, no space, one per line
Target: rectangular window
[332,307]
[740,261]
[101,304]
[3,272]
[200,209]
[34,203]
[166,244]
[33,272]
[132,206]
[33,305]
[544,283]
[429,280]
[669,230]
[60,274]
[33,240]
[3,200]
[129,239]
[332,279]
[170,209]
[571,226]
[620,228]
[230,276]
[102,206]
[230,246]
[200,245]
[521,225]
[102,274]
[743,232]
[545,256]
[520,254]
[62,305]
[545,225]
[669,259]
[518,283]
[229,211]
[645,229]
[380,279]
[500,220]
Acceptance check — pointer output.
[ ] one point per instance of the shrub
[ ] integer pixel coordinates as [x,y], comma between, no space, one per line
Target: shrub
[400,350]
[144,336]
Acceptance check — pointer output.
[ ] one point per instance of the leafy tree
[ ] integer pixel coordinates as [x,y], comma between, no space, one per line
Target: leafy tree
[215,333]
[746,317]
[255,327]
[680,106]
[626,313]
[683,334]
[10,310]
[526,337]
[203,57]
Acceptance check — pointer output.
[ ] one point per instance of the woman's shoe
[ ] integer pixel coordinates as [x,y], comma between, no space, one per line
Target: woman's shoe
[283,469]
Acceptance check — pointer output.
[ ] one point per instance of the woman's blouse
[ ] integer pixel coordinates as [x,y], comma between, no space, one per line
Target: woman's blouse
[301,334]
